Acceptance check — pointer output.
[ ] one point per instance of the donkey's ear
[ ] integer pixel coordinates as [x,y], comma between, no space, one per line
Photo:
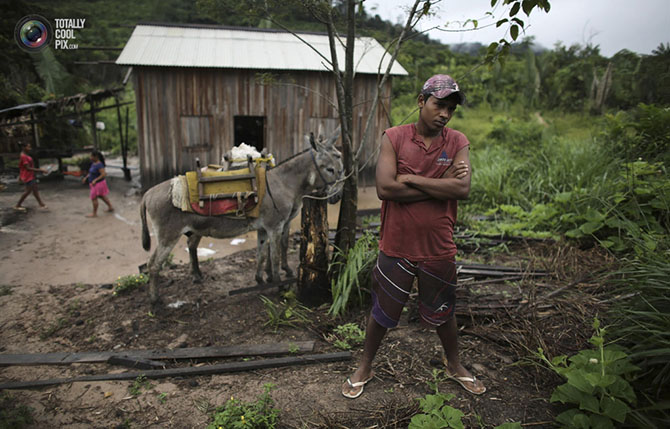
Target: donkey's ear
[320,133]
[333,138]
[309,142]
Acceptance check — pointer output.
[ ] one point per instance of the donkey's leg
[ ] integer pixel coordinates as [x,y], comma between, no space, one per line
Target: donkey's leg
[284,250]
[262,259]
[158,258]
[193,241]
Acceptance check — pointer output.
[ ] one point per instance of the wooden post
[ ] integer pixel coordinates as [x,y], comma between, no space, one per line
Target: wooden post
[313,285]
[122,140]
[36,134]
[93,127]
[126,170]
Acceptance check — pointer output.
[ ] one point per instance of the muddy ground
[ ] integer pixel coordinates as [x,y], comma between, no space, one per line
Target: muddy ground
[502,323]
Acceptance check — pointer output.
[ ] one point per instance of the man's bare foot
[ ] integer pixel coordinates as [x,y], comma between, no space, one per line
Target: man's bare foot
[91,215]
[463,377]
[353,387]
[110,209]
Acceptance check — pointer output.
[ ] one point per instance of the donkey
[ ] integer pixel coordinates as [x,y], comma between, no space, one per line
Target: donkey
[317,169]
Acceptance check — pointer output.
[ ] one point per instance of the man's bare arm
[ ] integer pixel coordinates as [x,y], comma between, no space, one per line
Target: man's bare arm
[453,185]
[388,187]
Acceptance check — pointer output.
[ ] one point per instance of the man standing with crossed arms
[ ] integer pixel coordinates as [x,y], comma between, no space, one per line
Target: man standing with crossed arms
[423,169]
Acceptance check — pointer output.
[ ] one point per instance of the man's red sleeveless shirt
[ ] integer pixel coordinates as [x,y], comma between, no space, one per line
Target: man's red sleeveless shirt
[422,230]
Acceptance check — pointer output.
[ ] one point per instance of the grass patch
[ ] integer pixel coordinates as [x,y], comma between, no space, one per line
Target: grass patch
[127,284]
[53,328]
[139,384]
[13,415]
[259,414]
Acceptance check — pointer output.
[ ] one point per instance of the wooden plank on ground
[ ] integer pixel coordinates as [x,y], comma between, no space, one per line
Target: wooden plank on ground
[190,371]
[134,362]
[493,273]
[262,286]
[241,350]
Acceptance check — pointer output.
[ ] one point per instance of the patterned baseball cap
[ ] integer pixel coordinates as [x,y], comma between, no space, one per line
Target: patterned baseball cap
[441,86]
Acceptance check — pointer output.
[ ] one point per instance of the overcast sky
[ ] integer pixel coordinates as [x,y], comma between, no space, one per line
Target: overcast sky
[636,25]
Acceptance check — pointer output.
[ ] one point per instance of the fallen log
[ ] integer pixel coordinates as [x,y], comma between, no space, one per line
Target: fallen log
[190,371]
[241,350]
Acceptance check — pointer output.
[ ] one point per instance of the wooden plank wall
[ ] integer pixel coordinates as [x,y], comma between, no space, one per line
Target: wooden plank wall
[293,104]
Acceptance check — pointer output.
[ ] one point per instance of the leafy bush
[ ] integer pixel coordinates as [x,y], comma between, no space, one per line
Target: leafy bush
[625,211]
[437,414]
[346,336]
[637,207]
[354,271]
[288,312]
[597,384]
[643,132]
[520,135]
[235,414]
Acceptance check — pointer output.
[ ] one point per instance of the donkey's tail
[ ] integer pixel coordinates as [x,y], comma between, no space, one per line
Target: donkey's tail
[146,238]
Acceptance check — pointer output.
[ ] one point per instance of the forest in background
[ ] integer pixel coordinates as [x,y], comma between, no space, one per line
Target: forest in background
[566,78]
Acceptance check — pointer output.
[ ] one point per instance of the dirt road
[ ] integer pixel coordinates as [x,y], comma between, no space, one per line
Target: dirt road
[62,246]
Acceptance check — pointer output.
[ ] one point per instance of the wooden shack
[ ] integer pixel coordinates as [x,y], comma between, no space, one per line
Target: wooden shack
[200,90]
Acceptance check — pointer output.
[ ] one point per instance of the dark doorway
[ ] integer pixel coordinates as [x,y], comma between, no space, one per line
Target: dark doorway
[250,130]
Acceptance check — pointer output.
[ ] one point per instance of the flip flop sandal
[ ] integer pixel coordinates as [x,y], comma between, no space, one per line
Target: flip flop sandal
[463,380]
[360,384]
[20,209]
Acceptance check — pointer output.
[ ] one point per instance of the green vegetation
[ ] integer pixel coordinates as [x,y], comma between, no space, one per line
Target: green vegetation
[354,272]
[287,312]
[643,323]
[13,415]
[437,414]
[53,328]
[597,384]
[127,284]
[139,384]
[346,336]
[259,414]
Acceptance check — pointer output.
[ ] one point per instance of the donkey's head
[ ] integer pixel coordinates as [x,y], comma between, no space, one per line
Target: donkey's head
[328,162]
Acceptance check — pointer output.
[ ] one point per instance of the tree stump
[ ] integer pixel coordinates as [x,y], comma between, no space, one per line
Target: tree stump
[313,286]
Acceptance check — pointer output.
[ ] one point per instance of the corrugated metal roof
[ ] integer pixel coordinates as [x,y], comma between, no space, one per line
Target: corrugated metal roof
[220,47]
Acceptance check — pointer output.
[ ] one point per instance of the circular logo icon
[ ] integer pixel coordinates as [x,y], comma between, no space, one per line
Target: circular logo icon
[33,33]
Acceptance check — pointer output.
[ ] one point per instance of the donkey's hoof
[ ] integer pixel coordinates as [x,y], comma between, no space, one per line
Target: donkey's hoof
[288,272]
[197,279]
[157,305]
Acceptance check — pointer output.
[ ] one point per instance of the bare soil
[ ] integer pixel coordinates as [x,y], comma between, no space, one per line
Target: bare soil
[56,285]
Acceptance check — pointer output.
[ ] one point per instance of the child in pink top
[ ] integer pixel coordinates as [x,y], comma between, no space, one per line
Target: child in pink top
[97,183]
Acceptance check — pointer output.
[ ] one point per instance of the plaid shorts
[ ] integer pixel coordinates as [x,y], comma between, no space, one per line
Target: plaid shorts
[392,280]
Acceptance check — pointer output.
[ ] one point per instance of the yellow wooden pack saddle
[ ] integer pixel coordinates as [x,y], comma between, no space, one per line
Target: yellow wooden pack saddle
[213,192]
